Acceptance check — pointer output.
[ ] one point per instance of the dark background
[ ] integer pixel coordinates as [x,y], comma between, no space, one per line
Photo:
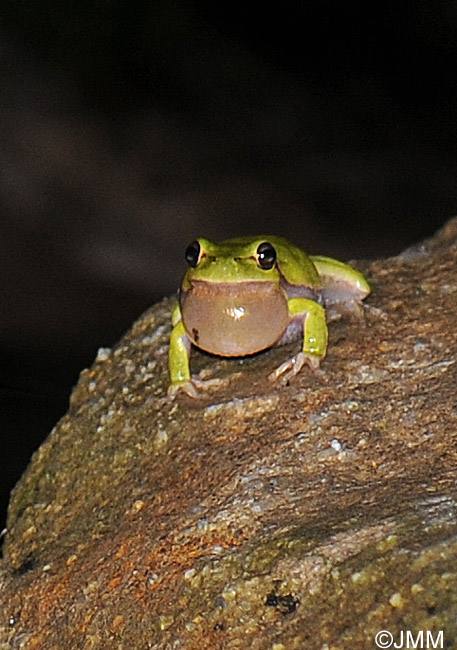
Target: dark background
[128,128]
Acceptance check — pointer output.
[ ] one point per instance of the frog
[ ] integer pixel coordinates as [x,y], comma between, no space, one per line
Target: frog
[250,293]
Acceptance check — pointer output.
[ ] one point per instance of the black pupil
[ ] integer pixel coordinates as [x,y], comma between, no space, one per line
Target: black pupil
[266,256]
[193,253]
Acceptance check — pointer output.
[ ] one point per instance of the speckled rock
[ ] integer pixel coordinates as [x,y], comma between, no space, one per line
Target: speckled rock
[263,516]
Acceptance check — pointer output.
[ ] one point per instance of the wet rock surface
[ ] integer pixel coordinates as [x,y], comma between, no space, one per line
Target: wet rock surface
[308,515]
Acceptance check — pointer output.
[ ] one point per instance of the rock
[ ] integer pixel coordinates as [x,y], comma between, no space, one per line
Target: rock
[265,516]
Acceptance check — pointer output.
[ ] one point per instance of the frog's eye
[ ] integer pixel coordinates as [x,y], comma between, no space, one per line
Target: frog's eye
[193,254]
[266,256]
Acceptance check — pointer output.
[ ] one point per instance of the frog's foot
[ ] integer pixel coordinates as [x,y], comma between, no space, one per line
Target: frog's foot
[290,368]
[375,312]
[192,387]
[350,309]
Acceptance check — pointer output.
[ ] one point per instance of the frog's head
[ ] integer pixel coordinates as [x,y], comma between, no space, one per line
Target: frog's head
[232,303]
[232,261]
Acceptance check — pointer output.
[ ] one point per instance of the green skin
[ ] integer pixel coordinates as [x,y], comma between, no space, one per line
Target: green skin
[230,306]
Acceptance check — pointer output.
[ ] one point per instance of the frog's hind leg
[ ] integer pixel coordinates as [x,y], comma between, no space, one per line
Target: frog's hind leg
[343,288]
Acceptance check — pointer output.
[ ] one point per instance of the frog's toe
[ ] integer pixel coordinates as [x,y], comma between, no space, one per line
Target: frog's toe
[292,366]
[192,387]
[187,387]
[376,312]
[350,309]
[205,384]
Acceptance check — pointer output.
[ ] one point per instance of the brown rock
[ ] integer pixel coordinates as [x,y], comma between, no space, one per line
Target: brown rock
[262,516]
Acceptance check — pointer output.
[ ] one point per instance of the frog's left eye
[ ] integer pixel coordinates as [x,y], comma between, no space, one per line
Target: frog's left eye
[266,256]
[193,254]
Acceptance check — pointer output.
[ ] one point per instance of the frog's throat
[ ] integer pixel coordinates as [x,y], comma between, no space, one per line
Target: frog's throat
[234,319]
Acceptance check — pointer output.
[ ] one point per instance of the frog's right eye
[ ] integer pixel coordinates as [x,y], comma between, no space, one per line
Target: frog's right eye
[193,254]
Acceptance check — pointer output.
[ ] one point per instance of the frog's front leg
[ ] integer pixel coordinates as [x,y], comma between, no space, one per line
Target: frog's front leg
[179,358]
[314,338]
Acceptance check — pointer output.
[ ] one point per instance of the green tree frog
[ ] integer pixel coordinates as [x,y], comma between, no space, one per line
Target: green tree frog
[247,294]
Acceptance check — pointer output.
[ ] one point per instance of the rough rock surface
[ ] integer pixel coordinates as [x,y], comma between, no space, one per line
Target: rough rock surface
[262,516]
